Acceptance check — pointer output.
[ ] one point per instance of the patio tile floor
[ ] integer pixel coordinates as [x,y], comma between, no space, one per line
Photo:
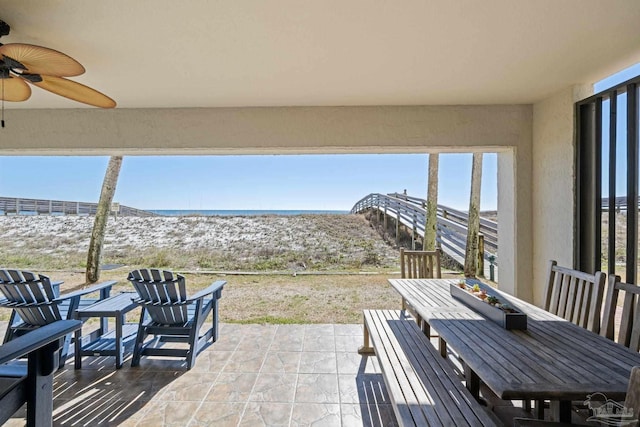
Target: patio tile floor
[255,375]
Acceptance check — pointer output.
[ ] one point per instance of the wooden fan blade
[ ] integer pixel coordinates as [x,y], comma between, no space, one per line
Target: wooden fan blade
[75,91]
[42,60]
[14,89]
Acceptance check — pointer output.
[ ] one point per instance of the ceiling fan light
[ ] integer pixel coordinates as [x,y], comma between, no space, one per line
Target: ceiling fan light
[32,78]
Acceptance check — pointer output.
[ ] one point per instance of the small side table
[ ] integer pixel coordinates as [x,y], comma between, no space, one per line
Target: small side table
[107,343]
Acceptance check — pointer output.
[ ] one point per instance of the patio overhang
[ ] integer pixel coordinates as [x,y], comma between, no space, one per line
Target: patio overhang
[266,130]
[167,54]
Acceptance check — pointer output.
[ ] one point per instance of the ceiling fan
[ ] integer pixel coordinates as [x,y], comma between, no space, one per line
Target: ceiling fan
[43,67]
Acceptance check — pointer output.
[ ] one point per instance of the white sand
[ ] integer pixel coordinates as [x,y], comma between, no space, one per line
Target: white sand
[348,235]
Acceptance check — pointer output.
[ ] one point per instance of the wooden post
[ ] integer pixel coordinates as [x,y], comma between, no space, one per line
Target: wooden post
[385,219]
[100,220]
[431,220]
[413,232]
[473,225]
[397,228]
[481,255]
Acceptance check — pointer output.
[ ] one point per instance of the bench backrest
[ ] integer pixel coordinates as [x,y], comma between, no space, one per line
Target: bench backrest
[163,293]
[628,334]
[31,295]
[575,295]
[420,264]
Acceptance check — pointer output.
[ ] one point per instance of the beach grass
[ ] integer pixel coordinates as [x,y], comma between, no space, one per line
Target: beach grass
[279,299]
[297,269]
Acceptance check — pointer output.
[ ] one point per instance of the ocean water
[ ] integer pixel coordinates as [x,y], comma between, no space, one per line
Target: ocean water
[208,212]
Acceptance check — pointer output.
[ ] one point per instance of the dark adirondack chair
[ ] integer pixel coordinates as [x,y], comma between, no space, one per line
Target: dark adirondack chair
[36,301]
[628,334]
[32,383]
[575,296]
[170,315]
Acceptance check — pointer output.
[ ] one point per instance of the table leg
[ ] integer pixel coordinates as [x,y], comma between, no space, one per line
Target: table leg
[560,410]
[419,320]
[77,345]
[77,348]
[119,322]
[426,329]
[104,326]
[442,344]
[539,409]
[473,381]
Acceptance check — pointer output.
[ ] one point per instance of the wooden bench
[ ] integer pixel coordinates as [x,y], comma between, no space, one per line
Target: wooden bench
[32,383]
[422,386]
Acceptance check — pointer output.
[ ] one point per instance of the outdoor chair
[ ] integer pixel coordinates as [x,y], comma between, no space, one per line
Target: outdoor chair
[32,382]
[628,333]
[170,315]
[36,301]
[575,296]
[420,264]
[631,403]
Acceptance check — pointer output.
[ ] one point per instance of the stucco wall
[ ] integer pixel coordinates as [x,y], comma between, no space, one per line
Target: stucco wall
[515,233]
[263,130]
[553,183]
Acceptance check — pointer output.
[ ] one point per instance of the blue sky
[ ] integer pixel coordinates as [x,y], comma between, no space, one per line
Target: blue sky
[331,182]
[621,145]
[326,182]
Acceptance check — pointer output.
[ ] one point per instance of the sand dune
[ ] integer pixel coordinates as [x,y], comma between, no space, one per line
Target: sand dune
[302,241]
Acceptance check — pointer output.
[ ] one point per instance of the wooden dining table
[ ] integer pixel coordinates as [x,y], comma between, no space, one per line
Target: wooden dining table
[552,359]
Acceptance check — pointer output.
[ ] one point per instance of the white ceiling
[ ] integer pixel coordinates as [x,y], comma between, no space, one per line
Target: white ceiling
[224,53]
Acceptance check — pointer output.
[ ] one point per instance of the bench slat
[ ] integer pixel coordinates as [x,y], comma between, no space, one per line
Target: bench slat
[423,388]
[406,404]
[429,379]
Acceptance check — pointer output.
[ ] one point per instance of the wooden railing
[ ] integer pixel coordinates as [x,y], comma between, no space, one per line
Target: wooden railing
[451,227]
[20,206]
[619,203]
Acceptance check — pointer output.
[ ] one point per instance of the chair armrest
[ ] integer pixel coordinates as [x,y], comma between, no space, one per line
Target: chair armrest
[213,288]
[56,287]
[90,290]
[37,338]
